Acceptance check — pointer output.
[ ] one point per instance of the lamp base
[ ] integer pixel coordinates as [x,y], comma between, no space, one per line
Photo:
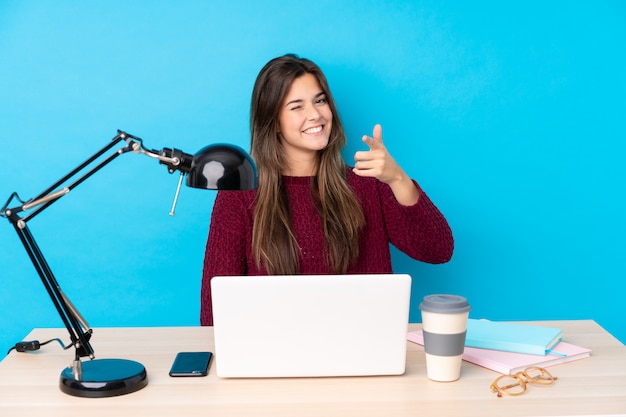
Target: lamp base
[105,378]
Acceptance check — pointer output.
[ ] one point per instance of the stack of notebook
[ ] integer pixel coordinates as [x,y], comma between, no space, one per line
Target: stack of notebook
[509,348]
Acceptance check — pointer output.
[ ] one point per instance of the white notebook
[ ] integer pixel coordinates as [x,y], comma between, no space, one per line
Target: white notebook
[310,325]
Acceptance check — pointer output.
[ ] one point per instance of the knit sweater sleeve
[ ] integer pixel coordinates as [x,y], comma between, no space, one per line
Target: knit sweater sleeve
[226,245]
[420,230]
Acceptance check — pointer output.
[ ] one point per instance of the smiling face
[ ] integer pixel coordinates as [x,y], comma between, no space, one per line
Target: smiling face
[305,122]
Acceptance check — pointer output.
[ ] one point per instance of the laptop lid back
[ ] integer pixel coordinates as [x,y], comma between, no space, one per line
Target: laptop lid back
[310,325]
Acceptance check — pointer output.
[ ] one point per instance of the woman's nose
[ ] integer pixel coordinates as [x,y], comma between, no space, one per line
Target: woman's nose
[313,113]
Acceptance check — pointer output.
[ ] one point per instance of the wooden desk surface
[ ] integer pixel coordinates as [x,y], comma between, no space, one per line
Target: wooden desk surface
[29,383]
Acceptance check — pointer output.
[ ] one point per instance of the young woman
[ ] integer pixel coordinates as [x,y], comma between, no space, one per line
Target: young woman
[311,213]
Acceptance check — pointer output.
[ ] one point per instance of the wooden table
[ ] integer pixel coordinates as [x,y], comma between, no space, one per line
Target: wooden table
[29,383]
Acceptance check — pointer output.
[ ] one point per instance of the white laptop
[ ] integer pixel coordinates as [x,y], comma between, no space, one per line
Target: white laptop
[310,325]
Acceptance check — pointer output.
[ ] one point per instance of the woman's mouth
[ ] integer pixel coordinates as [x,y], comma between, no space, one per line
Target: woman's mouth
[313,130]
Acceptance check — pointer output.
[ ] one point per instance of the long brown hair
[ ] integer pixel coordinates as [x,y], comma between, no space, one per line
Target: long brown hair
[274,244]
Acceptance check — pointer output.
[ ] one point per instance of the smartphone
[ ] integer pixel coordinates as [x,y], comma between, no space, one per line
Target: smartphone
[191,364]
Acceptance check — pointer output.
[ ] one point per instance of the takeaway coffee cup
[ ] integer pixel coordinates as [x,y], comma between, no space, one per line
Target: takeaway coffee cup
[444,322]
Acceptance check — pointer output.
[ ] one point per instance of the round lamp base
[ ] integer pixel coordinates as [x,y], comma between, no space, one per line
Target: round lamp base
[105,378]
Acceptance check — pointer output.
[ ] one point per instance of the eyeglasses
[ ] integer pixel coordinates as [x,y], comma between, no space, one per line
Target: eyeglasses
[516,384]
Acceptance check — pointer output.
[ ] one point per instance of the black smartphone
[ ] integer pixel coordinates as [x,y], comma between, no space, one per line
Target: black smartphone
[191,364]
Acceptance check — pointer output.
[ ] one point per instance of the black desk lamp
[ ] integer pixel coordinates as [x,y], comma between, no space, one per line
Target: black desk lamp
[215,167]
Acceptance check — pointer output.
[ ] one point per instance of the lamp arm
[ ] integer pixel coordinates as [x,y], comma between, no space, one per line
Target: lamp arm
[79,336]
[49,195]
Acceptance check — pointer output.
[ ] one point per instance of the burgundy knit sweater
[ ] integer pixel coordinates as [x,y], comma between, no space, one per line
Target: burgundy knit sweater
[420,231]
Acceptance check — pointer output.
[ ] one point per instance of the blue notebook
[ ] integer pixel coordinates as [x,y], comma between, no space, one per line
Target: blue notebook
[509,337]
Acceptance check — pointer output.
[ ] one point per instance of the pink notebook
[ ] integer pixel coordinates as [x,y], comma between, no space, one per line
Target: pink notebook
[509,362]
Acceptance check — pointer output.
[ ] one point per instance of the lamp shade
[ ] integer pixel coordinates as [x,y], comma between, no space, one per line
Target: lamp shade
[222,167]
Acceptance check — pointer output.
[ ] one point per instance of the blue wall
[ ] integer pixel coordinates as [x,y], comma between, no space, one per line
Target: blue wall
[510,115]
